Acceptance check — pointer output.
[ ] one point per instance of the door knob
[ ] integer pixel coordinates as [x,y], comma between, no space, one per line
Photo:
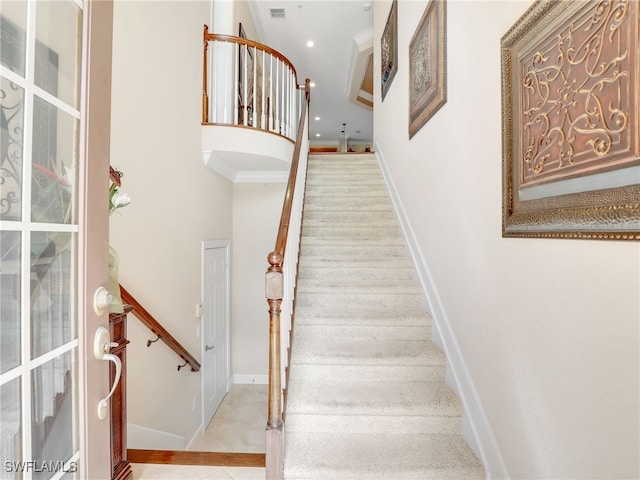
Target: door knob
[207,348]
[102,299]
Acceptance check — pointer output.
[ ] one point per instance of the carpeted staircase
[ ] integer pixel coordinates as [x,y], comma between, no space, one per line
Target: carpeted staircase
[366,397]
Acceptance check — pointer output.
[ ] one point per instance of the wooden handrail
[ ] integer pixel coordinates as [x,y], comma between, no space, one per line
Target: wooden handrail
[250,43]
[274,291]
[283,229]
[152,324]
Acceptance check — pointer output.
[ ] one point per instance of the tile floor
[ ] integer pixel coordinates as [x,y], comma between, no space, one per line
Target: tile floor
[238,426]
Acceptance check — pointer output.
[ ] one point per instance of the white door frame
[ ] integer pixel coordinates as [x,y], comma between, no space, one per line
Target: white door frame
[208,245]
[95,434]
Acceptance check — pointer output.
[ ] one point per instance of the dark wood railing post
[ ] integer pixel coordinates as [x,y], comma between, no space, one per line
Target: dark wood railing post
[273,292]
[205,96]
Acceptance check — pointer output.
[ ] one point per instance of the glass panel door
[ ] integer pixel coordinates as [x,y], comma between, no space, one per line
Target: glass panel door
[40,71]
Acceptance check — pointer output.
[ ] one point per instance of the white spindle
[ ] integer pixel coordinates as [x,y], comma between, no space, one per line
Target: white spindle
[285,101]
[225,86]
[213,84]
[262,93]
[277,99]
[282,98]
[245,84]
[292,104]
[270,91]
[234,89]
[288,101]
[254,86]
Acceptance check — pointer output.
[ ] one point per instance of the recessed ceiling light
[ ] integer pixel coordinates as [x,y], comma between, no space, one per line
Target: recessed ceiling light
[310,43]
[317,118]
[317,134]
[312,84]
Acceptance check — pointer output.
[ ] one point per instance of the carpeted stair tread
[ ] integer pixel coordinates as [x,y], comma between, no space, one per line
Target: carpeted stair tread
[373,397]
[336,204]
[366,391]
[345,191]
[385,235]
[358,287]
[353,274]
[378,334]
[350,217]
[318,265]
[387,373]
[330,179]
[373,300]
[390,456]
[353,315]
[361,351]
[373,254]
[415,424]
[367,244]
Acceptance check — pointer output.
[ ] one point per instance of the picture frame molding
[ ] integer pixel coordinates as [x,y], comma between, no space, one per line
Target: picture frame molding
[584,212]
[433,94]
[389,68]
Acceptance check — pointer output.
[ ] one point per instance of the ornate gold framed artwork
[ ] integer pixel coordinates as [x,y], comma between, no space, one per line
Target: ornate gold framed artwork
[570,121]
[389,50]
[427,66]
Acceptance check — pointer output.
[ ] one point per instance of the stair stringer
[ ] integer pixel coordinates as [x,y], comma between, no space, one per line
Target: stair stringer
[476,428]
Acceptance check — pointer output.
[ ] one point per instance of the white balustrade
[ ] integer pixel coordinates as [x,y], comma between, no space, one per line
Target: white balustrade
[250,85]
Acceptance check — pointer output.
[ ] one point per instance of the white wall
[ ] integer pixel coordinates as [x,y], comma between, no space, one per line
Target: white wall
[243,15]
[176,201]
[256,217]
[548,329]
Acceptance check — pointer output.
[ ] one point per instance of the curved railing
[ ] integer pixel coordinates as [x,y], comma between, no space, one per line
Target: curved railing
[280,283]
[248,84]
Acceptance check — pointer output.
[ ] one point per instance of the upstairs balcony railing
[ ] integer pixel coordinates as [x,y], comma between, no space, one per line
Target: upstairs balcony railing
[248,84]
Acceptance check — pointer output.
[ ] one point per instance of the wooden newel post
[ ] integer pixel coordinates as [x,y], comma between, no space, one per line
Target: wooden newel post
[307,88]
[205,96]
[273,293]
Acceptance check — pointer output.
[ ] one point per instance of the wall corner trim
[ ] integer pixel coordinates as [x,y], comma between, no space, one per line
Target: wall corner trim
[479,432]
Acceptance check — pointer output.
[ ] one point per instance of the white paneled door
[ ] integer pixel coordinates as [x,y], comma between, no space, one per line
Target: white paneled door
[215,327]
[53,237]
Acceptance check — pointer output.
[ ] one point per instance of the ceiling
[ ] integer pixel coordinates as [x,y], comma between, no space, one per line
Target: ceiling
[339,63]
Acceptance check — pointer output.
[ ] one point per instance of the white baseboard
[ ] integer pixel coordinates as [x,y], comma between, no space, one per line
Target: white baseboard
[251,379]
[476,428]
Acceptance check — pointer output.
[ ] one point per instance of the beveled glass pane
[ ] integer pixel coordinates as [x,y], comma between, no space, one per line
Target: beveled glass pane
[58,48]
[55,153]
[52,285]
[9,300]
[11,148]
[13,17]
[10,429]
[53,429]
